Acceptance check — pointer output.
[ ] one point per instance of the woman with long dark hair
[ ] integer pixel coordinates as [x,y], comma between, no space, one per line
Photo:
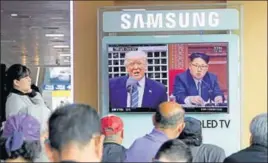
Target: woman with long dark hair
[22,99]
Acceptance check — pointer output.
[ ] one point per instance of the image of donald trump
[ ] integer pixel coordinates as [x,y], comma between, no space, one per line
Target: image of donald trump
[197,86]
[135,90]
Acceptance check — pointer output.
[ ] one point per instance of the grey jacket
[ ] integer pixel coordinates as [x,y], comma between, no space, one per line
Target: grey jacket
[35,107]
[113,152]
[207,153]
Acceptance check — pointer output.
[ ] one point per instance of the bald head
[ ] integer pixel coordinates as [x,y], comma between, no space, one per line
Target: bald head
[169,108]
[169,115]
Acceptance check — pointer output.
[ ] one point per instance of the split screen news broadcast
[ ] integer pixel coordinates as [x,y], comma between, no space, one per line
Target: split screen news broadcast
[194,75]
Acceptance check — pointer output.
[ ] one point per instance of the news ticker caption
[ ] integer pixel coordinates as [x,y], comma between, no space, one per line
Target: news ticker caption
[187,109]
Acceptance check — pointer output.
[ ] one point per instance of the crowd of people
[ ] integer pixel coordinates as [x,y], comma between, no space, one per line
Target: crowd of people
[76,132]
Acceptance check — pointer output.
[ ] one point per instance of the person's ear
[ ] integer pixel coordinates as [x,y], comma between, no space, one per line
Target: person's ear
[99,146]
[181,127]
[16,82]
[122,134]
[48,152]
[146,65]
[153,119]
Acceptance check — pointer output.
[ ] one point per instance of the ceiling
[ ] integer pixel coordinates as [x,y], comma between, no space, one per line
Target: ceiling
[24,25]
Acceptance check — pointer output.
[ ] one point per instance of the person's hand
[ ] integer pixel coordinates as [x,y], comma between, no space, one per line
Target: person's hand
[44,133]
[197,100]
[3,125]
[218,99]
[30,91]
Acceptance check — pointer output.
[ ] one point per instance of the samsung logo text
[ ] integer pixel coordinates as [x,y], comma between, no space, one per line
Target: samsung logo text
[169,20]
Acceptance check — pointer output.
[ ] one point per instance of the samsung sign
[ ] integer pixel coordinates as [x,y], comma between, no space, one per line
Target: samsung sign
[170,20]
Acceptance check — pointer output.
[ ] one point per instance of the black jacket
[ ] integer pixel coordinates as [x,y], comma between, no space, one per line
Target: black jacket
[113,152]
[254,153]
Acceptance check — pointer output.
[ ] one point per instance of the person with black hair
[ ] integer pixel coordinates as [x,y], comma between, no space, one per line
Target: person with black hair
[22,99]
[75,135]
[173,151]
[20,141]
[168,124]
[192,136]
[197,86]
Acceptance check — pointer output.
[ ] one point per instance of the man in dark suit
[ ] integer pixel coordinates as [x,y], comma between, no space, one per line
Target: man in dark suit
[135,90]
[196,85]
[258,149]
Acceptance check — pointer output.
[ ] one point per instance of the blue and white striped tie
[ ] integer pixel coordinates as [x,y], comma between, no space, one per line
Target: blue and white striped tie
[135,96]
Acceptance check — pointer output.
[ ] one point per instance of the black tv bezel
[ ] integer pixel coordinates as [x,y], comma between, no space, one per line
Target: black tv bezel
[195,110]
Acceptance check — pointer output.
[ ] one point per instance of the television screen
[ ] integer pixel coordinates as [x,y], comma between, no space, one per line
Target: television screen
[60,74]
[141,76]
[57,78]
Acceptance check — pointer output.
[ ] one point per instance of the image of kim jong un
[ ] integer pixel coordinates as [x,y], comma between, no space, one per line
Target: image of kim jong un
[197,86]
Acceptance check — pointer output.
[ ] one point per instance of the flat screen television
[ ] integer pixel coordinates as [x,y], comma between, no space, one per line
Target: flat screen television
[195,75]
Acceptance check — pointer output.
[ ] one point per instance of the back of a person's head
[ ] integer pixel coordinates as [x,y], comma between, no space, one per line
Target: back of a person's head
[168,115]
[112,127]
[192,132]
[75,123]
[259,131]
[20,140]
[169,118]
[173,151]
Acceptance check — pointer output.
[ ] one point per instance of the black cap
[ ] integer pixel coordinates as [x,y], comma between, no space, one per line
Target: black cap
[199,55]
[192,126]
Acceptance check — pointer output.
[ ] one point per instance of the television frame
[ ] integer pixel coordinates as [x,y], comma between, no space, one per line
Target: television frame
[232,57]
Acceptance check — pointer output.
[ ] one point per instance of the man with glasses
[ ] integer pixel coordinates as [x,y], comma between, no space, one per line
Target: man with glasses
[136,90]
[197,86]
